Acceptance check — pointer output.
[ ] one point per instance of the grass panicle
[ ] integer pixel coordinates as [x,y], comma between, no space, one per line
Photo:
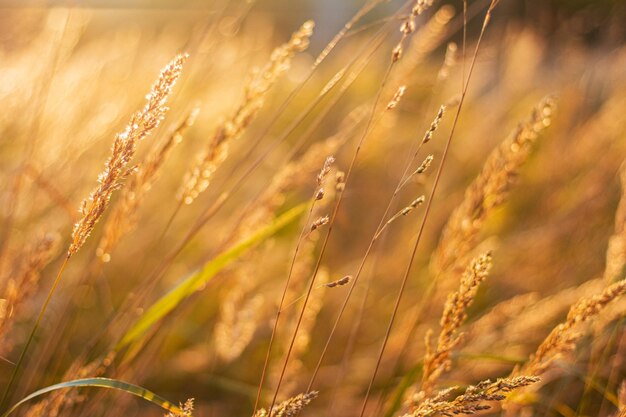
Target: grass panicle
[117,168]
[198,178]
[472,401]
[454,315]
[123,217]
[290,407]
[490,189]
[334,230]
[564,337]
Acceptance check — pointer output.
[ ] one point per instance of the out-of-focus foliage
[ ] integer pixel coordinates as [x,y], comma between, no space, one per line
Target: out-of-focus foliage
[535,184]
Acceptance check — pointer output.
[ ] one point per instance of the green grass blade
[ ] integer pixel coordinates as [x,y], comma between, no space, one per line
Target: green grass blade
[197,280]
[101,383]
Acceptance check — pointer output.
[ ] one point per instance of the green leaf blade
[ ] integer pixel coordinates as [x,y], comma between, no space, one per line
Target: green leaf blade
[115,384]
[199,279]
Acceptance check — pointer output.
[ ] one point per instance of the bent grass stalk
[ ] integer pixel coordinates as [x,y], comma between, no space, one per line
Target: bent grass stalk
[405,179]
[303,233]
[327,236]
[369,126]
[501,160]
[383,221]
[427,209]
[181,201]
[383,224]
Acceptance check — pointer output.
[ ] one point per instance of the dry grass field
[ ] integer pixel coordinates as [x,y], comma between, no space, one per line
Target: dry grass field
[398,208]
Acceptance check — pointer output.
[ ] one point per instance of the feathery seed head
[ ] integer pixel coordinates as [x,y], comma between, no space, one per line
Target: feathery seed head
[339,282]
[330,160]
[198,178]
[290,407]
[471,401]
[490,188]
[123,218]
[319,222]
[425,164]
[563,338]
[116,170]
[396,97]
[434,125]
[454,315]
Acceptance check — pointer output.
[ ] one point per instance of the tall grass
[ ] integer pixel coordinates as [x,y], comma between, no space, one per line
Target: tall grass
[322,222]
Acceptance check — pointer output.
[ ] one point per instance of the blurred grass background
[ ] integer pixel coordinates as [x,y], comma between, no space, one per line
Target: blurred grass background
[72,73]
